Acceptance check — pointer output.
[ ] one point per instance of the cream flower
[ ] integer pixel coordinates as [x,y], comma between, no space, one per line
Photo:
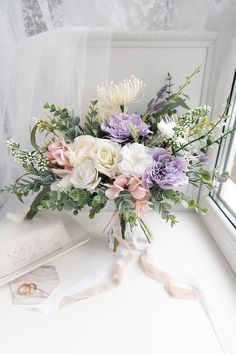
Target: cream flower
[111,96]
[106,156]
[134,160]
[85,175]
[80,149]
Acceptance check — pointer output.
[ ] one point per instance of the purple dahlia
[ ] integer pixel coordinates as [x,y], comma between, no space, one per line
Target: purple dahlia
[117,127]
[167,171]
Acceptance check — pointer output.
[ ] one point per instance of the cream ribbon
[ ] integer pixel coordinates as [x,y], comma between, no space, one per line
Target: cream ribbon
[190,289]
[111,277]
[90,286]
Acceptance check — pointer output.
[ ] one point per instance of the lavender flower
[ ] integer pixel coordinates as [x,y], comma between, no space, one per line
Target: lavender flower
[118,126]
[156,104]
[204,159]
[167,171]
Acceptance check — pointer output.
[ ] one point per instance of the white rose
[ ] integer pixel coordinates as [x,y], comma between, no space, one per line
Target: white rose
[106,156]
[134,160]
[85,175]
[166,127]
[80,149]
[62,184]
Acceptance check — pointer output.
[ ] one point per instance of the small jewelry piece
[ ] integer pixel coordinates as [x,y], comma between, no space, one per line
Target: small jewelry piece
[27,289]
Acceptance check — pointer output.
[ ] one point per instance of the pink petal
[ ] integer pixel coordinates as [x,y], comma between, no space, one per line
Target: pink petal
[121,181]
[138,193]
[133,183]
[112,192]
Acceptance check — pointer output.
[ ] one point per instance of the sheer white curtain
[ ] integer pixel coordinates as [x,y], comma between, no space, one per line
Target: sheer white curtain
[55,67]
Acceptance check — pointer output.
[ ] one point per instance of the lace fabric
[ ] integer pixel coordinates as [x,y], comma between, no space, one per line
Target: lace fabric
[23,18]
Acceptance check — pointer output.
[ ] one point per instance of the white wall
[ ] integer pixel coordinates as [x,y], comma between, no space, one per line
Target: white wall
[150,57]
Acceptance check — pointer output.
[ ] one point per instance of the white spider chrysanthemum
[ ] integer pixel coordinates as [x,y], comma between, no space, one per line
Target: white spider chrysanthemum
[111,96]
[166,127]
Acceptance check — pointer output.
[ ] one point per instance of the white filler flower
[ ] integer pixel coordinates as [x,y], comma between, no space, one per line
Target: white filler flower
[134,160]
[166,127]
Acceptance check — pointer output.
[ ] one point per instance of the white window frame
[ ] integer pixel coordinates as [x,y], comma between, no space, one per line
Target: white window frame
[220,227]
[225,196]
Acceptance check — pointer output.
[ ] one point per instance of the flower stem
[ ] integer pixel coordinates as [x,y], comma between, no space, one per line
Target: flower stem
[33,208]
[224,116]
[115,245]
[145,229]
[122,108]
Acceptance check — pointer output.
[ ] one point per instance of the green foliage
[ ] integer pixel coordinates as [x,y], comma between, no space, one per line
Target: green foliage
[92,126]
[159,203]
[59,119]
[188,81]
[169,84]
[26,184]
[34,206]
[134,132]
[78,195]
[190,203]
[209,179]
[33,137]
[163,201]
[201,131]
[72,200]
[170,107]
[125,205]
[171,103]
[98,202]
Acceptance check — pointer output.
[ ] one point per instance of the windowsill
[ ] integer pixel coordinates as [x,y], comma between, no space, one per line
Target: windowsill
[139,316]
[227,195]
[221,229]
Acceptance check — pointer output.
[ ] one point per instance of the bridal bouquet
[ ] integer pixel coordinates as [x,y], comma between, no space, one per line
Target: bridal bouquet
[140,161]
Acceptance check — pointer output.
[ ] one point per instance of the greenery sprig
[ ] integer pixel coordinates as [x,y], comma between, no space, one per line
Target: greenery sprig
[59,119]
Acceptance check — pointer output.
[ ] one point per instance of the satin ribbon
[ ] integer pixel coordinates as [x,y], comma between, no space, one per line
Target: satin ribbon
[104,280]
[111,277]
[190,289]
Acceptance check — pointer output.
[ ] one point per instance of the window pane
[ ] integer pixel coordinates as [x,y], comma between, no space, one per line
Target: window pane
[233,170]
[225,197]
